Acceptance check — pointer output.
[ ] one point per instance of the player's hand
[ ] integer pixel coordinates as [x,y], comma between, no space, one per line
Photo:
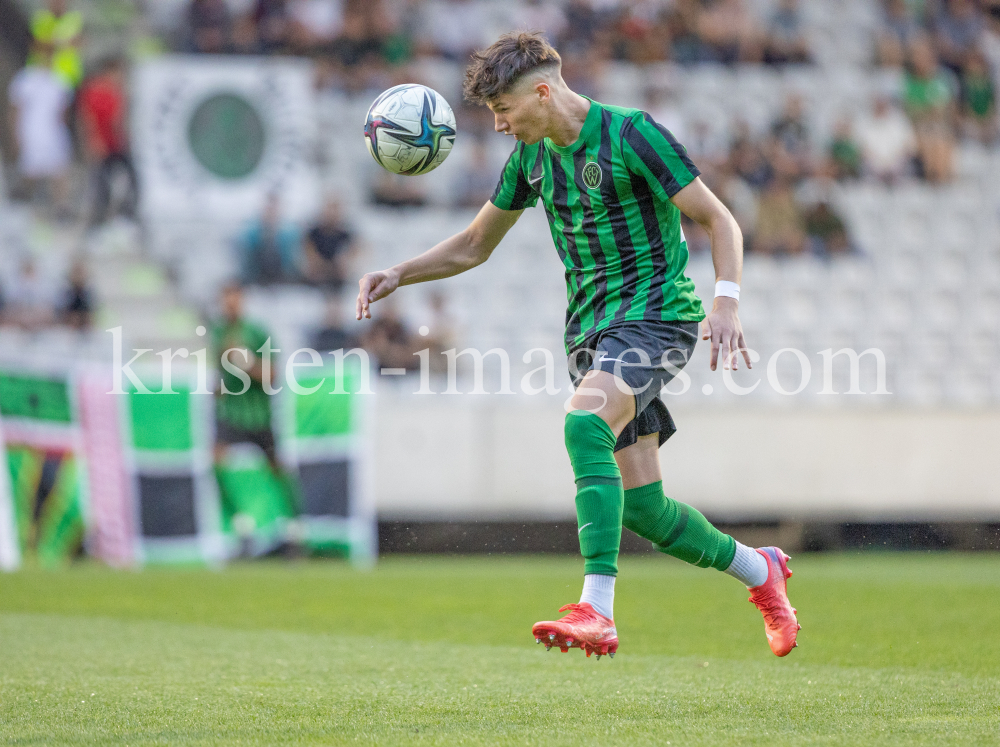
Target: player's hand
[722,326]
[373,286]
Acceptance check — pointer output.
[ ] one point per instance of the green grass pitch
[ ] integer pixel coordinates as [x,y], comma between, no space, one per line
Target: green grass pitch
[895,650]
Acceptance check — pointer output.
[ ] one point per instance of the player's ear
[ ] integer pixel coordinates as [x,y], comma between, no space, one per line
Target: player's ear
[543,91]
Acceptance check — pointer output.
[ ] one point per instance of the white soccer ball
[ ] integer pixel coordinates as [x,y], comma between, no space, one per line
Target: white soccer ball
[410,129]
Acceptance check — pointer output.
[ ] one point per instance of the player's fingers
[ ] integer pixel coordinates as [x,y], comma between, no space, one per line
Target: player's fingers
[744,350]
[706,329]
[715,354]
[381,290]
[359,306]
[727,350]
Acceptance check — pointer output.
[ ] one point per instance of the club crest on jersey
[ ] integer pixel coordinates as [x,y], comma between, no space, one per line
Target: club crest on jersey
[592,175]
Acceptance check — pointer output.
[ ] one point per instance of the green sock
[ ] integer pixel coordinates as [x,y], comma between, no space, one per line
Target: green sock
[676,529]
[599,498]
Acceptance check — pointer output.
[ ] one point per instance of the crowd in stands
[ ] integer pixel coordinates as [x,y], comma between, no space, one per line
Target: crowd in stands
[31,300]
[946,54]
[359,33]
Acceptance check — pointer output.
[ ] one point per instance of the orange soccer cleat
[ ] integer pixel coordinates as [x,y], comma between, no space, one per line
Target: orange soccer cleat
[582,628]
[771,598]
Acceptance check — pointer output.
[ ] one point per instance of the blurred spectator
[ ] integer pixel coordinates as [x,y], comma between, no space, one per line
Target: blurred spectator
[243,33]
[664,106]
[31,298]
[395,191]
[443,331]
[844,155]
[747,158]
[401,22]
[103,117]
[786,38]
[686,46]
[582,72]
[728,30]
[888,141]
[367,29]
[978,97]
[330,245]
[60,29]
[826,231]
[454,28]
[242,417]
[270,247]
[581,28]
[957,32]
[741,199]
[899,30]
[334,335]
[77,308]
[929,101]
[780,227]
[641,33]
[315,24]
[389,341]
[791,135]
[706,144]
[989,40]
[39,102]
[539,15]
[273,25]
[209,25]
[475,184]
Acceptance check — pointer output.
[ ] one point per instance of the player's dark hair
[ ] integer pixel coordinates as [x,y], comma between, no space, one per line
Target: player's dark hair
[496,70]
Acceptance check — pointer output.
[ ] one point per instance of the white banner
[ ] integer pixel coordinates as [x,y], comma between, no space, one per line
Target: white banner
[10,554]
[212,136]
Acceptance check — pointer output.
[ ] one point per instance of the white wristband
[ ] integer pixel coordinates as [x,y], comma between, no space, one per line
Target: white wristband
[727,288]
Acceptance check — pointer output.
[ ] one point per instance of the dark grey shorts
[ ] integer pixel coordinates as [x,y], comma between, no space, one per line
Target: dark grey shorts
[634,351]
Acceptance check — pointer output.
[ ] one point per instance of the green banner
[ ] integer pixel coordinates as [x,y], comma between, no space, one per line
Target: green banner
[35,397]
[161,422]
[47,511]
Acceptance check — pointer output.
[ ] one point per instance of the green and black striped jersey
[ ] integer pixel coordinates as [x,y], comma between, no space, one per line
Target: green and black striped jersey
[616,231]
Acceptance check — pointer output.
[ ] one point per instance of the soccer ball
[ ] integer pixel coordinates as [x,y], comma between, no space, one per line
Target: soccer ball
[410,129]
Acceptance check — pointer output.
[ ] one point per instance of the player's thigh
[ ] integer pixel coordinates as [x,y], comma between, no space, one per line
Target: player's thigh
[640,462]
[608,397]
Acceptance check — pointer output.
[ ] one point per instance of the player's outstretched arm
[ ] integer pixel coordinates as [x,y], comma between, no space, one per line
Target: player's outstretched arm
[456,254]
[722,325]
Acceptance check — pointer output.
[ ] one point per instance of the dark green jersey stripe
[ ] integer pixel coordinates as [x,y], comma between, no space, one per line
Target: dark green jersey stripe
[607,198]
[576,292]
[589,228]
[617,219]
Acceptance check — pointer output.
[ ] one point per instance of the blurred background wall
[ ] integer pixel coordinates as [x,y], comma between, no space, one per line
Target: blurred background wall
[855,142]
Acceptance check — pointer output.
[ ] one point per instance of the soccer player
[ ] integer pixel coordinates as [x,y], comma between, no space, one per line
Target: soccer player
[614,184]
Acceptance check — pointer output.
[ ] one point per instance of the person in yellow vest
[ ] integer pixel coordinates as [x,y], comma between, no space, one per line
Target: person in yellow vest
[61,28]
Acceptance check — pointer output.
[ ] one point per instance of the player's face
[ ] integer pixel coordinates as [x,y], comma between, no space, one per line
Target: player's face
[520,115]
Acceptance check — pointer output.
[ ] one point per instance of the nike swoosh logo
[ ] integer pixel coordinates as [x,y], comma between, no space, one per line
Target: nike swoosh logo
[609,360]
[535,181]
[583,527]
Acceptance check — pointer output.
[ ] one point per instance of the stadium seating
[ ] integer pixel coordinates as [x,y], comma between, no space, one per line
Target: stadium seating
[924,286]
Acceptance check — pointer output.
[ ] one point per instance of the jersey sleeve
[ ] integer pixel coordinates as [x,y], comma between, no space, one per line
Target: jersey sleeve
[513,191]
[651,151]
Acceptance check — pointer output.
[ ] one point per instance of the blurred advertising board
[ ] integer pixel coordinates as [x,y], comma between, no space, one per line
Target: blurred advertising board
[131,478]
[46,479]
[212,136]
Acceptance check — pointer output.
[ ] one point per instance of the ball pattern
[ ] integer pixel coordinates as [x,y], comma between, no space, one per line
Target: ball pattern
[410,129]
